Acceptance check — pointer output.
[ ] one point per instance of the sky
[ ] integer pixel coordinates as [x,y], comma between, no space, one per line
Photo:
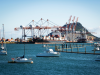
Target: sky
[14,13]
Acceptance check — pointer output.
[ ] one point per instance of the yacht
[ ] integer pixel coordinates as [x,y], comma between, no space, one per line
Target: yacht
[48,53]
[3,50]
[21,59]
[96,44]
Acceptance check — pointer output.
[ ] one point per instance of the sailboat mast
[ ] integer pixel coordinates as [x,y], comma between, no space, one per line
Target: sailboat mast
[24,50]
[3,30]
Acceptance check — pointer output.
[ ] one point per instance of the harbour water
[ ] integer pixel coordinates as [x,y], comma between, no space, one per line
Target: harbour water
[66,64]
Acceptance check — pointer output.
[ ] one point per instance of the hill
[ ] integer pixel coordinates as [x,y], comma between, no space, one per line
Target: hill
[79,27]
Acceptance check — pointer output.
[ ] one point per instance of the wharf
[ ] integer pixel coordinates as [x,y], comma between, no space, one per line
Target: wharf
[80,52]
[74,48]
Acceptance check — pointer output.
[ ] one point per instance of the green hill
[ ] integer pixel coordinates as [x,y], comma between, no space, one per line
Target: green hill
[79,27]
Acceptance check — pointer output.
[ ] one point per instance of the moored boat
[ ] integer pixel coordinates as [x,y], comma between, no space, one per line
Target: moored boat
[21,59]
[3,49]
[97,46]
[48,53]
[3,52]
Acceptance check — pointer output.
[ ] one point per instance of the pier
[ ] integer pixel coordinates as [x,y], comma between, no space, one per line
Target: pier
[80,48]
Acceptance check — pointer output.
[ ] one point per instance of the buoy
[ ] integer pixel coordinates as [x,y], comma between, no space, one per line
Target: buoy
[31,62]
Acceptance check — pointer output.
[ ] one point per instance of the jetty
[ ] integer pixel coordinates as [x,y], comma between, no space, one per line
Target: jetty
[80,48]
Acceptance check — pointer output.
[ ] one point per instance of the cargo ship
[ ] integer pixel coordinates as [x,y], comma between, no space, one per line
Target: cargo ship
[83,37]
[82,40]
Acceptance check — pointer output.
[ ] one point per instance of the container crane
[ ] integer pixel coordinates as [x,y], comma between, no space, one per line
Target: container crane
[35,27]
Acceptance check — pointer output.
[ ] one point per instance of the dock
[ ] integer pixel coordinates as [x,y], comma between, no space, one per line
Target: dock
[80,48]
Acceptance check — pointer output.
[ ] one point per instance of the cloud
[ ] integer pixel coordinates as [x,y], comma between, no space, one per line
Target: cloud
[95,31]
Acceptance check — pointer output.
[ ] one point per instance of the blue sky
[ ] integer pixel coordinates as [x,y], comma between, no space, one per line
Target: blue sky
[14,13]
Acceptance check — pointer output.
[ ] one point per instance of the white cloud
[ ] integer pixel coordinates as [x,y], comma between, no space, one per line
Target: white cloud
[95,31]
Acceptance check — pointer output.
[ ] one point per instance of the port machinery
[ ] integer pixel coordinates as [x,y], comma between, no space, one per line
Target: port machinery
[45,26]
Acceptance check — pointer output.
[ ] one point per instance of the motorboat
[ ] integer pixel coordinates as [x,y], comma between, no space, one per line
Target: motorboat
[96,44]
[98,58]
[48,53]
[20,60]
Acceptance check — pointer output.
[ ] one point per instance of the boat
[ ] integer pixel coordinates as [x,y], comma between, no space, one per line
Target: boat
[97,46]
[82,40]
[3,52]
[21,59]
[83,36]
[48,53]
[98,58]
[3,49]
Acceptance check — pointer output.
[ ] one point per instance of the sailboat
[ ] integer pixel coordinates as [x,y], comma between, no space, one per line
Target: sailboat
[21,59]
[3,49]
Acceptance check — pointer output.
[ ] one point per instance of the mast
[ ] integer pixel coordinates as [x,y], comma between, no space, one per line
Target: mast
[3,39]
[3,31]
[0,33]
[24,50]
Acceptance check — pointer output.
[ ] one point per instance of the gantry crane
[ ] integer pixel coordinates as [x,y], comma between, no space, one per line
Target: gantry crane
[39,29]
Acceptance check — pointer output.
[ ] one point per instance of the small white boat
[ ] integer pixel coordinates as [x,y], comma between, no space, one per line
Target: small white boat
[3,50]
[97,48]
[48,53]
[96,44]
[21,60]
[98,58]
[2,47]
